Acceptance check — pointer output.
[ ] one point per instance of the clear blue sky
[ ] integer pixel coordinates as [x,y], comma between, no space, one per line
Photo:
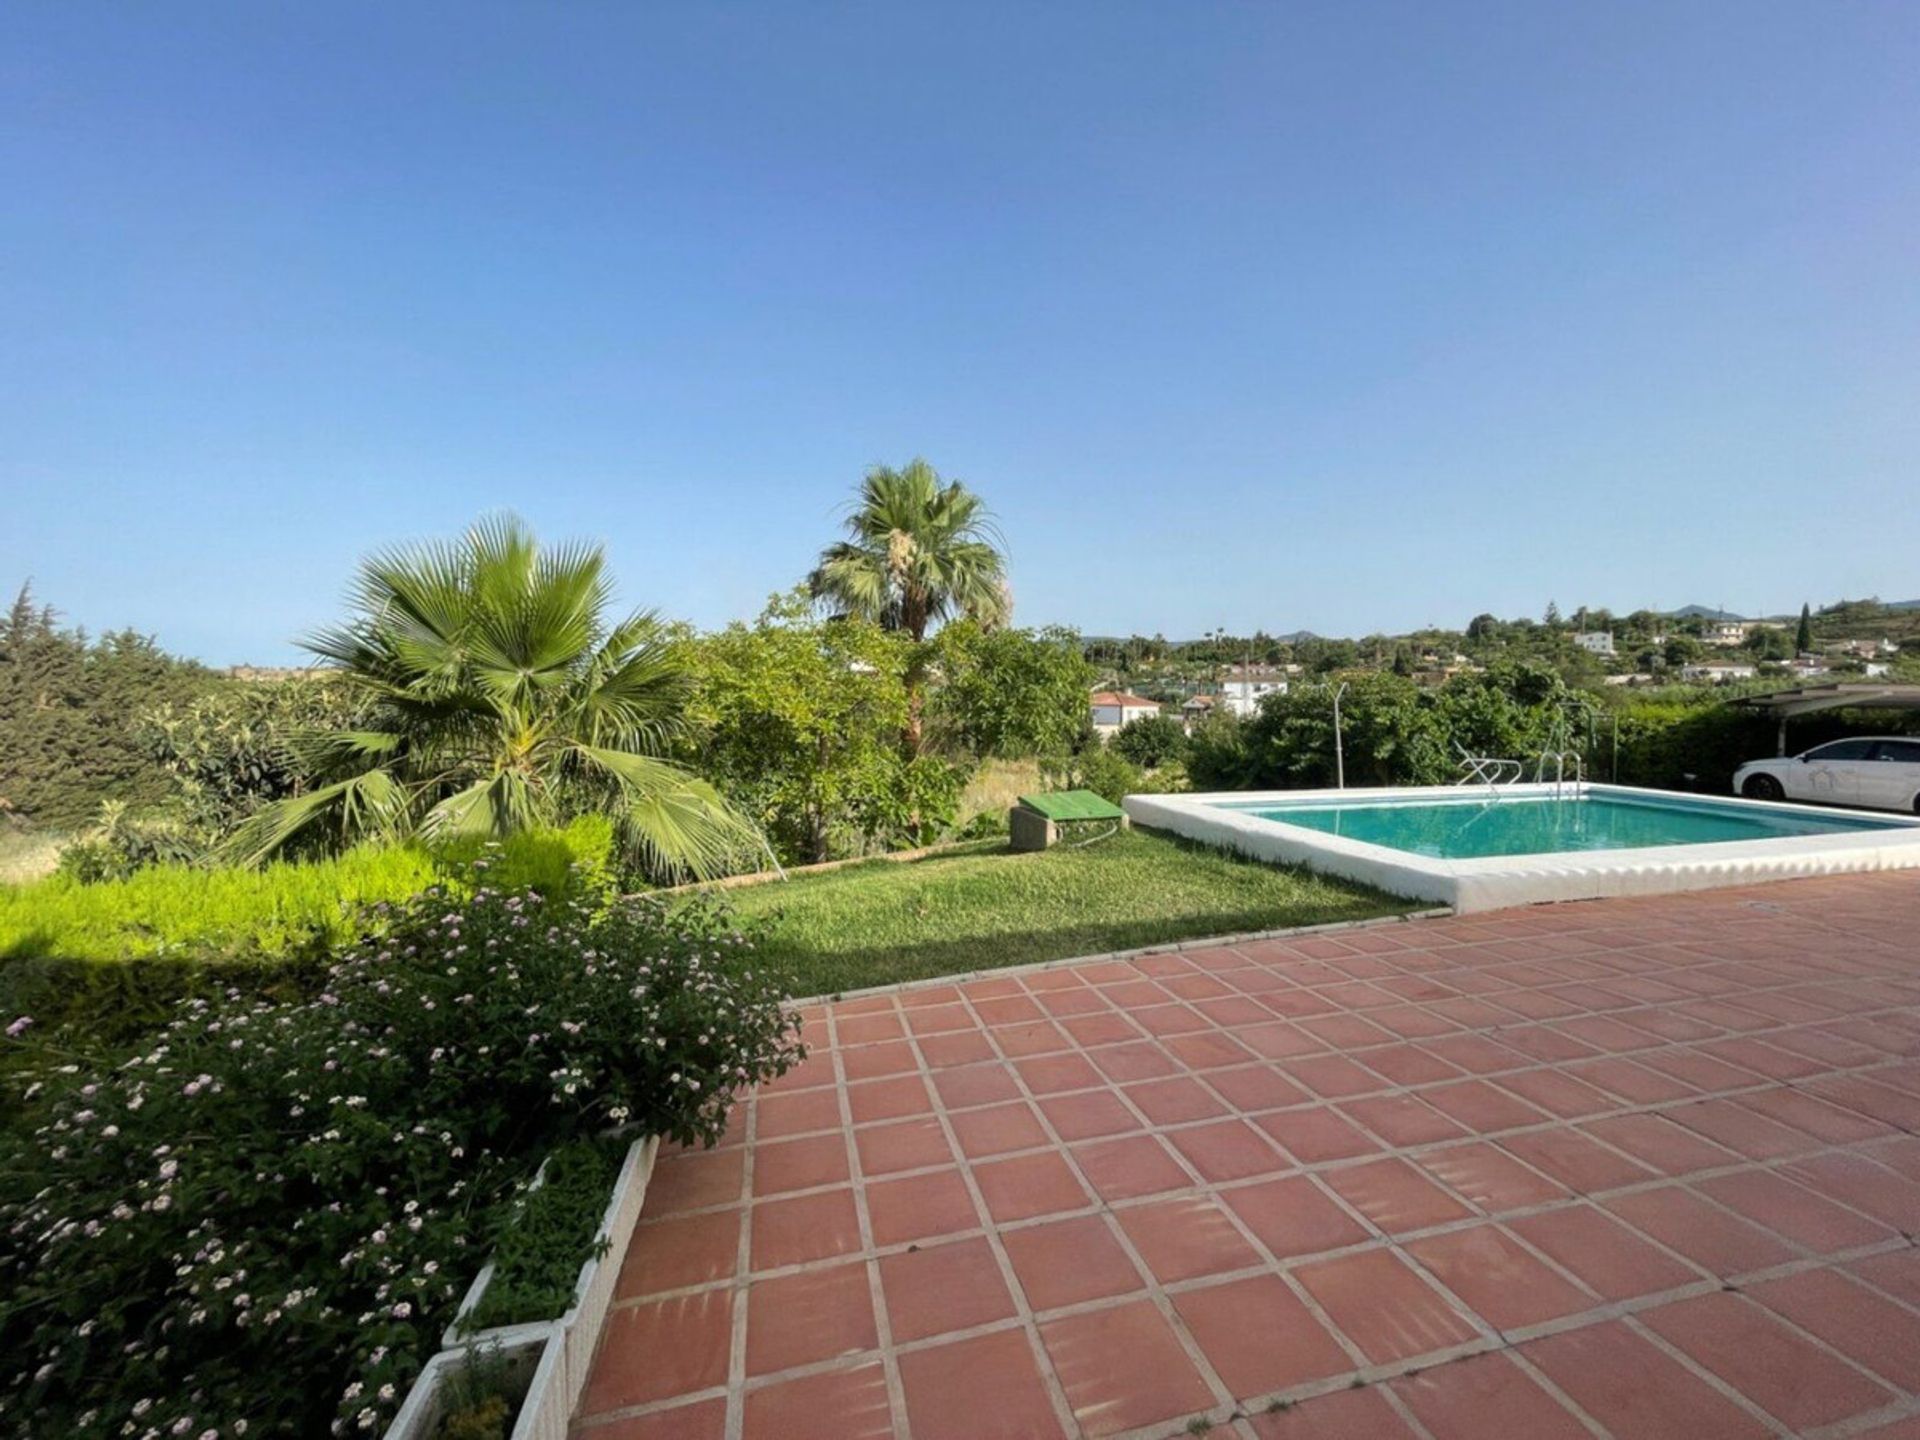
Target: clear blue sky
[1343,316]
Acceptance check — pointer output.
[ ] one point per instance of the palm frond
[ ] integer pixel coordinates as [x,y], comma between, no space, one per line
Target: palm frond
[677,825]
[370,804]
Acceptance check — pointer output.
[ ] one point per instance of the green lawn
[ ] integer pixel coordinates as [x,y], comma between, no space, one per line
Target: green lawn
[984,906]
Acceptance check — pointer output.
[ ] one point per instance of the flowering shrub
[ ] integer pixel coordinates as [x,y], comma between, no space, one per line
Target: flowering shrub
[260,1224]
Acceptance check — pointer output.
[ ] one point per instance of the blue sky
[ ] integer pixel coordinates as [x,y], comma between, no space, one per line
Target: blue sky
[1343,316]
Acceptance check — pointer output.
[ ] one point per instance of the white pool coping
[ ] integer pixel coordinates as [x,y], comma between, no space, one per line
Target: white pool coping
[1498,881]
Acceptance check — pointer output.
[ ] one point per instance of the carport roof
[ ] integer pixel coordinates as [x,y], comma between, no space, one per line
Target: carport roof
[1806,699]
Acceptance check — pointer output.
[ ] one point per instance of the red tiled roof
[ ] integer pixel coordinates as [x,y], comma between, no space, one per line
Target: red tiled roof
[1130,702]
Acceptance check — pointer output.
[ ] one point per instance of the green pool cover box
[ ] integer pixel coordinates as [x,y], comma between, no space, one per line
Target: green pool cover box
[1035,822]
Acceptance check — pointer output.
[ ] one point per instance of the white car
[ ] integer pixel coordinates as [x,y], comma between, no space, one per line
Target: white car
[1876,772]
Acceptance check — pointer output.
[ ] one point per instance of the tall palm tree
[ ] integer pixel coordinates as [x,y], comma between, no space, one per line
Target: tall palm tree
[918,550]
[503,700]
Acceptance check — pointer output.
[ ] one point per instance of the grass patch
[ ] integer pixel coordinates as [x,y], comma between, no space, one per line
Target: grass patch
[983,906]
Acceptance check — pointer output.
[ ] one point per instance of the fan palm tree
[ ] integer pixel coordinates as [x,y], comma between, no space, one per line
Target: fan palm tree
[918,550]
[503,700]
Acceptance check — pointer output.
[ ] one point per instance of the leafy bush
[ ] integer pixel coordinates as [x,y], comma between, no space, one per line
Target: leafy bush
[1152,741]
[123,842]
[261,1223]
[233,750]
[1009,693]
[540,1241]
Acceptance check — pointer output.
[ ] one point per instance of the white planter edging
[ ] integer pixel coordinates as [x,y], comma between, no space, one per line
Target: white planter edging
[559,1351]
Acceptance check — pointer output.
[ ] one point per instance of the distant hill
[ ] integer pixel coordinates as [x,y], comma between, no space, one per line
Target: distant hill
[1703,612]
[1903,605]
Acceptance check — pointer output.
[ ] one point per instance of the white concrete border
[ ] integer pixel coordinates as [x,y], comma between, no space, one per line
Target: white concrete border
[560,1351]
[1497,881]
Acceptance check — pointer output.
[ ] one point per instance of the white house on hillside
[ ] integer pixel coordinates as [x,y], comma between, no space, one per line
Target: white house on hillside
[1597,642]
[1115,708]
[1240,692]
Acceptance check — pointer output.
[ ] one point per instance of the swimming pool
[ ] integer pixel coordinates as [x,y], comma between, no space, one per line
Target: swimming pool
[1475,849]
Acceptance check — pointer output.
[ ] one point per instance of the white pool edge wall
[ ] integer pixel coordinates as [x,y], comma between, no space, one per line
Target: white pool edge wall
[1498,881]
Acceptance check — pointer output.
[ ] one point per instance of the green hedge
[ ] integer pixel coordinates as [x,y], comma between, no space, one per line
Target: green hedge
[106,961]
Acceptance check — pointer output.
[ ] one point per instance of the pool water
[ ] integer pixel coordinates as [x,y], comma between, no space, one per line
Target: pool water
[1475,826]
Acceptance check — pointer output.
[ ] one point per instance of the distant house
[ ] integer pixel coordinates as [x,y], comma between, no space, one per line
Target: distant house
[1196,709]
[1114,708]
[1808,667]
[1726,632]
[1595,642]
[1718,672]
[1244,685]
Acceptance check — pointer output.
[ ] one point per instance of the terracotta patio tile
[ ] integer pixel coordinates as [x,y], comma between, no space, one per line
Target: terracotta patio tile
[1632,1082]
[970,1085]
[1087,1114]
[869,1062]
[1788,1376]
[1137,1060]
[694,1181]
[894,1098]
[1812,1115]
[1080,1000]
[1028,1185]
[906,1145]
[1897,1273]
[997,1129]
[1605,1255]
[1342,1415]
[660,1349]
[1293,1216]
[1792,1210]
[938,1019]
[1225,1150]
[1259,1336]
[945,1384]
[1041,1037]
[1583,1165]
[1122,1368]
[865,1029]
[1278,1040]
[1092,1030]
[1401,1120]
[1744,1131]
[959,1047]
[1481,1107]
[1052,1074]
[1185,1237]
[700,1420]
[779,1116]
[1007,1010]
[809,1316]
[1486,1397]
[1504,1283]
[915,1207]
[1860,1323]
[1174,1100]
[1886,1195]
[1383,1306]
[1635,1389]
[807,1227]
[1558,1093]
[1659,1144]
[1316,1135]
[837,1405]
[1719,1243]
[675,1253]
[1129,1167]
[1490,1178]
[1409,1065]
[952,1286]
[1065,1262]
[1333,1077]
[798,1164]
[1394,1196]
[922,997]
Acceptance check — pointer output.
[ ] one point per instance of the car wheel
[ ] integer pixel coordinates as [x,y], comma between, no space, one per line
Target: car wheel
[1762,787]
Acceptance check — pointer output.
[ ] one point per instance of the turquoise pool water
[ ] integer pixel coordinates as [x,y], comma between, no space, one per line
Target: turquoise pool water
[1473,826]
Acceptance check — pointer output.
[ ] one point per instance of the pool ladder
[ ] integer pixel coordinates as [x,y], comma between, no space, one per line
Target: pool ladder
[1561,760]
[1487,770]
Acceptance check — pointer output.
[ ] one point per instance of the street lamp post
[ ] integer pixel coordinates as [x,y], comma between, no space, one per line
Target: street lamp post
[1339,752]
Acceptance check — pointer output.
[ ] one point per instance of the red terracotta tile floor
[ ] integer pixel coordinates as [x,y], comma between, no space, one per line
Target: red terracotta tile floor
[1638,1168]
